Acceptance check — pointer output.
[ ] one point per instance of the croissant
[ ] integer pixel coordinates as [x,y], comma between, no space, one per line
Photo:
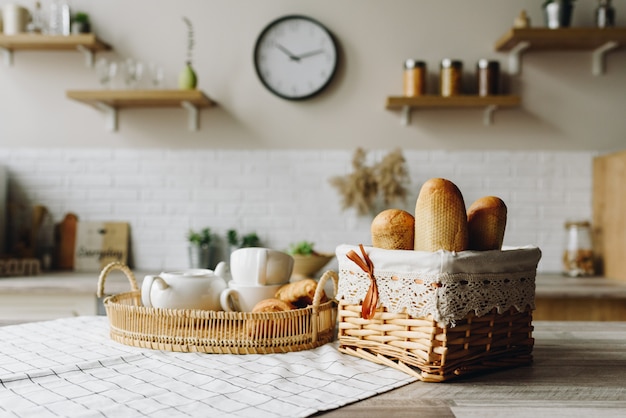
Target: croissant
[299,293]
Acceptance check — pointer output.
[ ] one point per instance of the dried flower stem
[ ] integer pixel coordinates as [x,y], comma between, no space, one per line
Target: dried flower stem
[190,39]
[361,188]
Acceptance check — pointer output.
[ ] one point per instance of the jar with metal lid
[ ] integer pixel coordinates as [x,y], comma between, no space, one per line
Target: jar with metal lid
[578,259]
[605,14]
[450,77]
[488,77]
[414,78]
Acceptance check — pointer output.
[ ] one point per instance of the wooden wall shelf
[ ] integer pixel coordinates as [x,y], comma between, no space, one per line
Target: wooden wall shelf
[86,43]
[110,101]
[599,40]
[490,103]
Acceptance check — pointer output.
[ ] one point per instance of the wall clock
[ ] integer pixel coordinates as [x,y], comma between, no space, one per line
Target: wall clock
[295,57]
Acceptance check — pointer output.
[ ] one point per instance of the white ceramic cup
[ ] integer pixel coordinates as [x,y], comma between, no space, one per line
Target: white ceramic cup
[242,298]
[260,266]
[15,18]
[186,289]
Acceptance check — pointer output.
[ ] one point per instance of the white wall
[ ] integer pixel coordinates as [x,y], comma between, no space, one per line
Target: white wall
[285,196]
[563,105]
[262,163]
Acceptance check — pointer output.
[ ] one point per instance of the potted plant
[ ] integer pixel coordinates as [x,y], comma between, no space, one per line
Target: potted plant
[81,23]
[307,261]
[201,248]
[235,241]
[558,13]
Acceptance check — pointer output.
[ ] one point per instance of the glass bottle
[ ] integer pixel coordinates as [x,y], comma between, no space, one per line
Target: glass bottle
[605,14]
[414,78]
[488,77]
[578,259]
[450,77]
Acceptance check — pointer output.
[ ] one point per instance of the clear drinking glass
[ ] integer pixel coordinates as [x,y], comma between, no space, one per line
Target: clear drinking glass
[157,75]
[106,71]
[133,72]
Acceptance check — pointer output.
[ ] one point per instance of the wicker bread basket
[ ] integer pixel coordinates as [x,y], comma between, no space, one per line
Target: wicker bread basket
[190,330]
[440,315]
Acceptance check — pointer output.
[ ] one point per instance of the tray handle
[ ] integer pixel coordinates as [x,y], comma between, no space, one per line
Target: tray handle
[115,265]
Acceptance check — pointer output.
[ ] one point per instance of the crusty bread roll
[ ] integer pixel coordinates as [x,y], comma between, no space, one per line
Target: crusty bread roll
[486,221]
[393,229]
[440,217]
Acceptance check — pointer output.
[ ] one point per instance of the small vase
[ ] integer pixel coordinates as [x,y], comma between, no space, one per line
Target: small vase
[558,14]
[187,79]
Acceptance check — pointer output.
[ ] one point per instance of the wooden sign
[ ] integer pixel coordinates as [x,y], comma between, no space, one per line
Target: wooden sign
[99,243]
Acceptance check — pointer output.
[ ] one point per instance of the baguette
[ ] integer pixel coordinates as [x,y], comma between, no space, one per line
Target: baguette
[393,229]
[440,217]
[486,220]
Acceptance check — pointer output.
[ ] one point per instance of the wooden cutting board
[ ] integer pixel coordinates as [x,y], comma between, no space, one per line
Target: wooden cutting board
[609,214]
[67,241]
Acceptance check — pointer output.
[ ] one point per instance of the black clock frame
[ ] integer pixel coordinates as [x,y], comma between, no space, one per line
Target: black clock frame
[267,28]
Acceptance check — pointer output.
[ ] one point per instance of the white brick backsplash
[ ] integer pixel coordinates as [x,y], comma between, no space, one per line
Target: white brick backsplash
[285,195]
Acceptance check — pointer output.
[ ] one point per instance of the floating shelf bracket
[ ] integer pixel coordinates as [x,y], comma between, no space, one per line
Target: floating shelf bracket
[515,57]
[8,56]
[111,115]
[488,114]
[598,57]
[89,55]
[406,115]
[193,115]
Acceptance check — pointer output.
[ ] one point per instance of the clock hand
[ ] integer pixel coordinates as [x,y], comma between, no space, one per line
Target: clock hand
[310,53]
[289,54]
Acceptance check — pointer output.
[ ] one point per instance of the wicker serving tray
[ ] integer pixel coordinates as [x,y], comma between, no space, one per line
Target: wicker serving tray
[219,332]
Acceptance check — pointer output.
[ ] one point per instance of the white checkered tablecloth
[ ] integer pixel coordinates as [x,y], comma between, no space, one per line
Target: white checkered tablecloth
[71,368]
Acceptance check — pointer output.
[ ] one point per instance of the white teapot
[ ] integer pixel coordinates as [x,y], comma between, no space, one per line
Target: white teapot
[185,289]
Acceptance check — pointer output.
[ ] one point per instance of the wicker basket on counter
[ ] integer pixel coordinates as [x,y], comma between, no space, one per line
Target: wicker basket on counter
[437,316]
[219,332]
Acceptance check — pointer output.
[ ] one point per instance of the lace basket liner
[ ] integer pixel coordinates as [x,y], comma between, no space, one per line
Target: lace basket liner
[443,284]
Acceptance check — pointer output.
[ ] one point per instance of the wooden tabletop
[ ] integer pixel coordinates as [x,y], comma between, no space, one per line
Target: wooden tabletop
[579,370]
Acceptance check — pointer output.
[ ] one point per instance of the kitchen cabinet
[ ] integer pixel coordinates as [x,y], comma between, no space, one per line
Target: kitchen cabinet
[111,101]
[560,298]
[86,43]
[599,40]
[489,103]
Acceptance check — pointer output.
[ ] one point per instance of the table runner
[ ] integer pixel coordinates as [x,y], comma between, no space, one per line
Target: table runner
[70,367]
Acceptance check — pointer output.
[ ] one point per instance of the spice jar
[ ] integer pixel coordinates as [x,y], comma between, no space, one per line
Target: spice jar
[578,254]
[605,14]
[450,75]
[414,78]
[488,77]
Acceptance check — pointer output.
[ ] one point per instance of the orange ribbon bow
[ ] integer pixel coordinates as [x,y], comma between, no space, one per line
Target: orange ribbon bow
[368,309]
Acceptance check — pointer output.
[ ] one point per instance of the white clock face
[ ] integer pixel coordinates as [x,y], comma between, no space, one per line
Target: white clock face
[295,57]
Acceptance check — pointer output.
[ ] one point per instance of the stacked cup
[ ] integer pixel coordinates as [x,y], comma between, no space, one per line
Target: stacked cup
[257,274]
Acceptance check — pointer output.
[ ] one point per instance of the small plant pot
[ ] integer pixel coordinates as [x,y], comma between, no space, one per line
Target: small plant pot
[201,256]
[307,266]
[558,14]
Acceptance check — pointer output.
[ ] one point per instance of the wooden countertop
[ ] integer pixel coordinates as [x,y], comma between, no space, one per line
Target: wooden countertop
[579,370]
[551,285]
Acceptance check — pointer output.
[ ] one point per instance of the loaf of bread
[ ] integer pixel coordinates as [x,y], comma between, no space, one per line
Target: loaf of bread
[440,217]
[393,229]
[486,221]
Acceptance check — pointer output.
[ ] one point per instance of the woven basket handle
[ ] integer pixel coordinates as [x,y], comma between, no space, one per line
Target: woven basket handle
[319,291]
[115,265]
